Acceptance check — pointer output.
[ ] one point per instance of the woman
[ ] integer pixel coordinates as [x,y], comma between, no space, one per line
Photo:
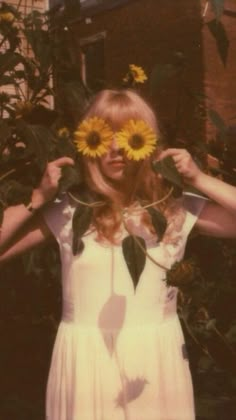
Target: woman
[119,352]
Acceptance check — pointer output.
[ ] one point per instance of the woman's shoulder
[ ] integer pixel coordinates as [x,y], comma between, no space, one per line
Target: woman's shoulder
[59,213]
[182,215]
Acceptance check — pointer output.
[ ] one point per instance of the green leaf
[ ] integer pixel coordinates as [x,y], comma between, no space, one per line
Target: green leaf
[80,223]
[135,257]
[7,80]
[5,131]
[218,7]
[166,167]
[66,147]
[218,31]
[16,192]
[20,74]
[9,60]
[71,177]
[39,41]
[38,139]
[217,120]
[159,222]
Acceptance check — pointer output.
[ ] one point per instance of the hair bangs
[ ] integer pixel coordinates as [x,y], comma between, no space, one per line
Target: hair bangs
[118,107]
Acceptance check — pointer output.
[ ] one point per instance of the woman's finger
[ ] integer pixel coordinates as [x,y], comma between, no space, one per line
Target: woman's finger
[173,152]
[63,161]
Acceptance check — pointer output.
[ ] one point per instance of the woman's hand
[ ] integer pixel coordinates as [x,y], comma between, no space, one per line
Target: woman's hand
[184,164]
[48,186]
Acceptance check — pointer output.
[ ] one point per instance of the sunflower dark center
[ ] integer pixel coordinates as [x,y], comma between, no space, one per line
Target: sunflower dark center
[136,141]
[93,140]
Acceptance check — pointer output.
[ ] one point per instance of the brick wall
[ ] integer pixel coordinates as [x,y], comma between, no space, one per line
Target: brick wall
[220,80]
[146,32]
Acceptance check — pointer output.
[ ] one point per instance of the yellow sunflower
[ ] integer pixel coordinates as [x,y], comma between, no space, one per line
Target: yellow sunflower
[6,16]
[136,73]
[63,132]
[137,139]
[93,137]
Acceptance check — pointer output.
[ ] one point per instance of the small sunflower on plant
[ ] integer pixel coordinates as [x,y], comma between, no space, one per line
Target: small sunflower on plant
[135,75]
[63,132]
[7,17]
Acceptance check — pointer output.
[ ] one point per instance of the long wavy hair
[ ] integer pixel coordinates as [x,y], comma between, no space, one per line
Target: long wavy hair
[116,107]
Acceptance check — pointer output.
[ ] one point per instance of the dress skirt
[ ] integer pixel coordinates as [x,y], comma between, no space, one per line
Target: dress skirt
[139,373]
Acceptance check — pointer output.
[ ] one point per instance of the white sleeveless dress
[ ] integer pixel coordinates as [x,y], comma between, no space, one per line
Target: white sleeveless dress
[119,353]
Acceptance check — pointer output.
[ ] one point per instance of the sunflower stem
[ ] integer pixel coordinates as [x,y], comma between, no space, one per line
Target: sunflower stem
[94,204]
[161,200]
[204,349]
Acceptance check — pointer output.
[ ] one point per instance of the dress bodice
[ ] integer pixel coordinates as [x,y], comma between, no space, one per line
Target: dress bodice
[97,287]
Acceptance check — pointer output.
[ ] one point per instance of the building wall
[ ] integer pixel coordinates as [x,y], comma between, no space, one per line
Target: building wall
[219,79]
[148,32]
[27,5]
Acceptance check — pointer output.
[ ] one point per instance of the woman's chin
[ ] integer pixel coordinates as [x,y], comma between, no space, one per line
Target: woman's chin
[118,178]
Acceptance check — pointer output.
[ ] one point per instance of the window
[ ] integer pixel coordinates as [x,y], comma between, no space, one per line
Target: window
[93,61]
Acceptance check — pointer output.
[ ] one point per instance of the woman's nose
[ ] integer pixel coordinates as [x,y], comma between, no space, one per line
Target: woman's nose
[115,146]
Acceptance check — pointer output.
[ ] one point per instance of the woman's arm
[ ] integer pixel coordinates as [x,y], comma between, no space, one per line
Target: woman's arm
[218,217]
[31,234]
[15,218]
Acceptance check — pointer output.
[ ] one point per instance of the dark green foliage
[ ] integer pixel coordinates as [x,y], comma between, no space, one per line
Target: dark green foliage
[134,253]
[217,121]
[208,313]
[29,127]
[159,222]
[71,177]
[218,31]
[166,167]
[218,7]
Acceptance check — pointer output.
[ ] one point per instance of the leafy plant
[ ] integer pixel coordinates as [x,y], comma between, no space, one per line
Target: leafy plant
[30,129]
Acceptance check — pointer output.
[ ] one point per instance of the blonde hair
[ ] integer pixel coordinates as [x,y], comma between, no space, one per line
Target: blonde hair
[116,107]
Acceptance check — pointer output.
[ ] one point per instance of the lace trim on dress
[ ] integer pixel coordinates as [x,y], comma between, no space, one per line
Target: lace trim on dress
[175,217]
